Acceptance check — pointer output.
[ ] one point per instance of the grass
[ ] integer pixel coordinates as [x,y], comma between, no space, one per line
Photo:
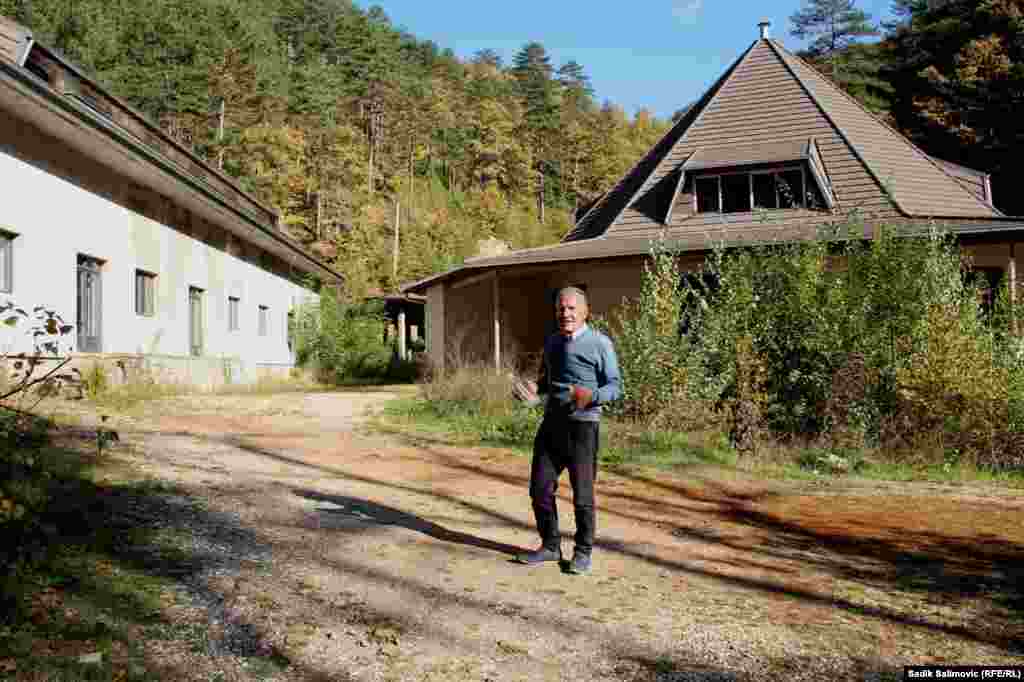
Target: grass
[622,444]
[507,425]
[127,396]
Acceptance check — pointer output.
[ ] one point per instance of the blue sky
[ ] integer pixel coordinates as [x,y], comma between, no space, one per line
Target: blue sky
[656,53]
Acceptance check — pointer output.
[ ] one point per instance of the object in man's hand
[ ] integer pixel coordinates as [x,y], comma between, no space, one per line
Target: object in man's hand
[582,396]
[525,391]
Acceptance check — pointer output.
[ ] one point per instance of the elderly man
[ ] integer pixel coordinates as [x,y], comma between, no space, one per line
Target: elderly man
[579,375]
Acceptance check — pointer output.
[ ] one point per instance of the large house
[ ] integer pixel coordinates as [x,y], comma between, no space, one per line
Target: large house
[161,263]
[772,152]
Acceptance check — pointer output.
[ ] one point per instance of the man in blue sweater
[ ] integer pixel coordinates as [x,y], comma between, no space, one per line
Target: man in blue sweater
[579,375]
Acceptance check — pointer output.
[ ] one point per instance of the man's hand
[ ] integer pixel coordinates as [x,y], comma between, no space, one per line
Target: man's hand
[526,391]
[582,396]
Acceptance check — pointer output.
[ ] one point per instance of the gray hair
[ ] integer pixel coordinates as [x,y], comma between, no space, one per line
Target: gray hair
[576,292]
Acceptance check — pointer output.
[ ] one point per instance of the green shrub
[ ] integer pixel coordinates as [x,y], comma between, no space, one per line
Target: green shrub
[851,342]
[341,341]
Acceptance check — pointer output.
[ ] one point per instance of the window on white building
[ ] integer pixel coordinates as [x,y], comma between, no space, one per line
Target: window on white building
[6,263]
[145,293]
[233,304]
[264,320]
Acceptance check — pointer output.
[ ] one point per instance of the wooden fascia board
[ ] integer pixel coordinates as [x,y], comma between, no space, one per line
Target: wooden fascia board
[27,43]
[679,188]
[475,279]
[817,167]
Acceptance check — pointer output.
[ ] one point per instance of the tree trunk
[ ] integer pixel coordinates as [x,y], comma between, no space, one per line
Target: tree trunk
[394,259]
[540,197]
[319,216]
[220,135]
[412,177]
[369,173]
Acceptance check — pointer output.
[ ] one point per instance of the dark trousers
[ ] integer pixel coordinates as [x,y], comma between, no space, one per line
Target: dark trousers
[564,444]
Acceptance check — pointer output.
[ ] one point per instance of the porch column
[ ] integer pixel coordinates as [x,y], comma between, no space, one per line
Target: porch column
[496,318]
[401,334]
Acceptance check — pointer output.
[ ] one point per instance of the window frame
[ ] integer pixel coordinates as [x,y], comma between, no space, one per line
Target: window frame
[7,256]
[234,313]
[263,322]
[775,171]
[148,301]
[197,327]
[291,320]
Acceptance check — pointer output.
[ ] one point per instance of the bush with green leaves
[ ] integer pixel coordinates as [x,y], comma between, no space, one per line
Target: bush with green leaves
[342,341]
[663,380]
[879,343]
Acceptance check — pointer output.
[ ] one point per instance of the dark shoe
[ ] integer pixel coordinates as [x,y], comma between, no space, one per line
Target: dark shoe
[580,564]
[539,556]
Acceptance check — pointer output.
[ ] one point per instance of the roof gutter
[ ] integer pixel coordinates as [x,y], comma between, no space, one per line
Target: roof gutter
[28,85]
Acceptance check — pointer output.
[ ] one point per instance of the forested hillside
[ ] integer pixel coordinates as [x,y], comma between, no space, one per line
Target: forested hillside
[331,113]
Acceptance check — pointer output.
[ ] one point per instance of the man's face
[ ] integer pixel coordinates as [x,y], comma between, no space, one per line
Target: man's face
[571,313]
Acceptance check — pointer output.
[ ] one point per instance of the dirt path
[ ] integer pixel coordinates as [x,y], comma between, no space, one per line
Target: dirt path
[347,555]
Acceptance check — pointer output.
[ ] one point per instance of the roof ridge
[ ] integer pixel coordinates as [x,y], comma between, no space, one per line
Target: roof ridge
[681,127]
[779,48]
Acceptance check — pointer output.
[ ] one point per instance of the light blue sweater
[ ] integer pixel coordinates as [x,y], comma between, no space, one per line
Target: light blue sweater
[585,359]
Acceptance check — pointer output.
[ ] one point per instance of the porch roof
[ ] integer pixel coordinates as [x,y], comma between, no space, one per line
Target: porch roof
[602,248]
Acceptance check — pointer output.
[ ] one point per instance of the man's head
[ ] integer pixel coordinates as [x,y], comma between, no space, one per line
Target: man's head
[571,309]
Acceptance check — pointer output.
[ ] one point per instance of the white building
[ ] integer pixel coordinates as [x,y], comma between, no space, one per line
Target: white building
[158,259]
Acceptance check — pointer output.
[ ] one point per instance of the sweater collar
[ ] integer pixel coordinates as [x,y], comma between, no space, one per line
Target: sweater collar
[576,334]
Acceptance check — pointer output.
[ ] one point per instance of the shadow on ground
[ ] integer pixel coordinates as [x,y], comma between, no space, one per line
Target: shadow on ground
[939,568]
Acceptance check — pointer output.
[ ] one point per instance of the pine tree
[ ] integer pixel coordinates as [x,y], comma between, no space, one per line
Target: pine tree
[831,24]
[835,27]
[574,79]
[487,56]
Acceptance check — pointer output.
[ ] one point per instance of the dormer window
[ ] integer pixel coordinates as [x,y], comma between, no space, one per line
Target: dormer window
[738,191]
[742,179]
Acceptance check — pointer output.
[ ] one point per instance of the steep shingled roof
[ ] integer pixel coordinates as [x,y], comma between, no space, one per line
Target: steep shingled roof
[770,97]
[610,206]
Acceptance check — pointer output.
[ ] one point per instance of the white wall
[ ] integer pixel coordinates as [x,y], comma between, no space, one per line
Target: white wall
[56,221]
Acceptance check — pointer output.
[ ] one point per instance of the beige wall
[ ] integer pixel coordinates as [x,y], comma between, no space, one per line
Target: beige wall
[468,326]
[435,316]
[461,312]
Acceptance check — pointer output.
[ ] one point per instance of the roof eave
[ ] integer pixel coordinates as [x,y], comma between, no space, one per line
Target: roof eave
[27,85]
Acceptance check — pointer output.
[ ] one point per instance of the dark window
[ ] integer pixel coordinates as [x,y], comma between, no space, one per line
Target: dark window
[765,195]
[264,320]
[791,188]
[291,330]
[145,293]
[233,304]
[195,321]
[735,193]
[6,263]
[90,305]
[706,190]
